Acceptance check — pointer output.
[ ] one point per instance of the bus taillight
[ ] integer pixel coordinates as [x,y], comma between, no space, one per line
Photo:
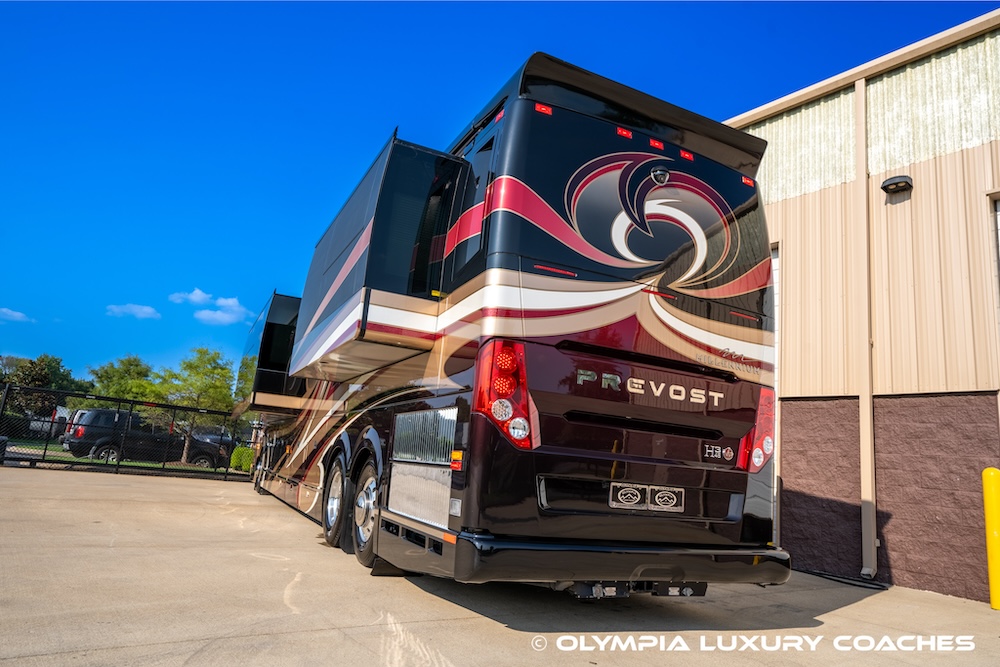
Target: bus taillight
[757,446]
[502,390]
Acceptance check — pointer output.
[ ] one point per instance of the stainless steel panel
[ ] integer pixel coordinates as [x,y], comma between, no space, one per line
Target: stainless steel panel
[421,492]
[427,436]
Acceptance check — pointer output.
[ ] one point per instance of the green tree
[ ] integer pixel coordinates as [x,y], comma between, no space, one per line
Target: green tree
[204,381]
[245,378]
[9,364]
[129,377]
[61,378]
[44,372]
[241,395]
[36,375]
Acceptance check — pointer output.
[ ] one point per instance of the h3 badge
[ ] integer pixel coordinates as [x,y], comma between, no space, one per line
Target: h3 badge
[718,452]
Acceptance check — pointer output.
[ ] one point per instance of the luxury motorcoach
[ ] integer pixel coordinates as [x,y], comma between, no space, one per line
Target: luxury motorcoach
[542,355]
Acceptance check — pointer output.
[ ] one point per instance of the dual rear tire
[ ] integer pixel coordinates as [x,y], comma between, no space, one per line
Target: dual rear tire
[349,511]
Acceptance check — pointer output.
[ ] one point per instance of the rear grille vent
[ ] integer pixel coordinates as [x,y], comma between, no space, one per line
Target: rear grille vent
[579,417]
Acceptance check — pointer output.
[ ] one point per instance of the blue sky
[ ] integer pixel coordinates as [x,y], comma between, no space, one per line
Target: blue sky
[165,166]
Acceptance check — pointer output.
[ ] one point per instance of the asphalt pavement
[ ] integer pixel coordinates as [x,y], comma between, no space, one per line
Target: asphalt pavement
[104,569]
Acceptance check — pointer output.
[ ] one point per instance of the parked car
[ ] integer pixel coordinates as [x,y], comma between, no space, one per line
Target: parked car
[110,435]
[223,440]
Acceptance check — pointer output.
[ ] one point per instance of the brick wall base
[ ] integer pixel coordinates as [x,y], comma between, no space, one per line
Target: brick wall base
[821,487]
[930,452]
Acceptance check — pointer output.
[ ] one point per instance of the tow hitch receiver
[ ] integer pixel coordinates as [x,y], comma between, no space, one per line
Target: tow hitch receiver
[596,590]
[680,589]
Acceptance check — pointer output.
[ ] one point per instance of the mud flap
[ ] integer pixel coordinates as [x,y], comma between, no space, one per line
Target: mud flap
[383,568]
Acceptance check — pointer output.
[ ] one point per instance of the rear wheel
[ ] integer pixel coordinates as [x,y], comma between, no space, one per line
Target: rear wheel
[203,461]
[107,454]
[333,501]
[364,516]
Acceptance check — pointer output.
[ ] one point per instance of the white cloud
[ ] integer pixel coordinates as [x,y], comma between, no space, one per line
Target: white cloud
[229,311]
[13,316]
[138,312]
[197,297]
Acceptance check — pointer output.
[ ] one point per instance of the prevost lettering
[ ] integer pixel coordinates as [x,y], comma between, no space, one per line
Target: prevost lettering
[634,385]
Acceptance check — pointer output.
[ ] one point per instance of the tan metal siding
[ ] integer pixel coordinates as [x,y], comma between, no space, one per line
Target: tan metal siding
[934,288]
[936,106]
[819,277]
[809,148]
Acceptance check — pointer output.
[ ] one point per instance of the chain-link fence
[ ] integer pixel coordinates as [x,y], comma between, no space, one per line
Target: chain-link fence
[77,430]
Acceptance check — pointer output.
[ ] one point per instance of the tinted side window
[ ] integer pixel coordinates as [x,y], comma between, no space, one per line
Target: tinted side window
[415,206]
[467,258]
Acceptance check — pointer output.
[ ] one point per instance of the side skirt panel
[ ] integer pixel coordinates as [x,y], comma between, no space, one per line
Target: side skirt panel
[414,546]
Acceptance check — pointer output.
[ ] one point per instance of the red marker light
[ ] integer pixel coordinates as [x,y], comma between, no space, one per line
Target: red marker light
[658,293]
[655,143]
[505,360]
[499,116]
[622,132]
[563,272]
[687,155]
[541,108]
[748,181]
[504,386]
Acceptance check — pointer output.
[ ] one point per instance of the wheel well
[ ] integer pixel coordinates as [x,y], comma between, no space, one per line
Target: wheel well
[364,456]
[328,458]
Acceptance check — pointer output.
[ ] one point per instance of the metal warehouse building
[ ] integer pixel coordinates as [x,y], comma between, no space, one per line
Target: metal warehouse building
[881,189]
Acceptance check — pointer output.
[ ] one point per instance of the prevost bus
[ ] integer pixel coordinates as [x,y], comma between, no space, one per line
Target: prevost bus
[544,355]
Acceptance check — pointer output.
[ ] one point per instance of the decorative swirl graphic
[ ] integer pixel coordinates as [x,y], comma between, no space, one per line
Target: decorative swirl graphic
[639,192]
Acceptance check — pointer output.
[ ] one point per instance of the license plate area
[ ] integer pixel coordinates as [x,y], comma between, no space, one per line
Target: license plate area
[624,495]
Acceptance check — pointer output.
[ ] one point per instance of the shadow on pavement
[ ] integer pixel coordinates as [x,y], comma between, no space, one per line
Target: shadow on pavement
[726,607]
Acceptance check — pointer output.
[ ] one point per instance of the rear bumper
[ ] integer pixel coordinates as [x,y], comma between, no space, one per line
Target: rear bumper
[481,559]
[77,449]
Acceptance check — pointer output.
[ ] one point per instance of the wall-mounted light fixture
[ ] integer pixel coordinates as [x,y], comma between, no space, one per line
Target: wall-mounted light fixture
[897,184]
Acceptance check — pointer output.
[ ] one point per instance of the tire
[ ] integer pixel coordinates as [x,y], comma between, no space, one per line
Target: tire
[364,515]
[107,454]
[203,461]
[334,496]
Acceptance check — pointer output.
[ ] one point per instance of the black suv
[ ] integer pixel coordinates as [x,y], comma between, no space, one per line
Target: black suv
[111,436]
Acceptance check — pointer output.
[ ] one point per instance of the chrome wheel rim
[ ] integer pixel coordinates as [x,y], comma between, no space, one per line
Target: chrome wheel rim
[333,500]
[364,511]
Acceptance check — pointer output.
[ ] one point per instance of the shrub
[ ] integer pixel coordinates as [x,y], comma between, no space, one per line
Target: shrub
[242,459]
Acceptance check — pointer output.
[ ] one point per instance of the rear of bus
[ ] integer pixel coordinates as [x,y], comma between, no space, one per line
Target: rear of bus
[622,438]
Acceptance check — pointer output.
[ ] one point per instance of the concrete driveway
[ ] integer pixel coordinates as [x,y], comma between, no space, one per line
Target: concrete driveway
[102,569]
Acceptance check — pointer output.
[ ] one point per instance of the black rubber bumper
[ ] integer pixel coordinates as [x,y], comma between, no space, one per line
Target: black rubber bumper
[481,559]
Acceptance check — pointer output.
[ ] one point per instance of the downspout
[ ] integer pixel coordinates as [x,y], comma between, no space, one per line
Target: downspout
[866,399]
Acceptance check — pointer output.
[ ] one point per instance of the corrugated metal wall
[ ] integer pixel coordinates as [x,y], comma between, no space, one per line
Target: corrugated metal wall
[822,285]
[934,290]
[934,308]
[933,285]
[936,106]
[804,180]
[809,148]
